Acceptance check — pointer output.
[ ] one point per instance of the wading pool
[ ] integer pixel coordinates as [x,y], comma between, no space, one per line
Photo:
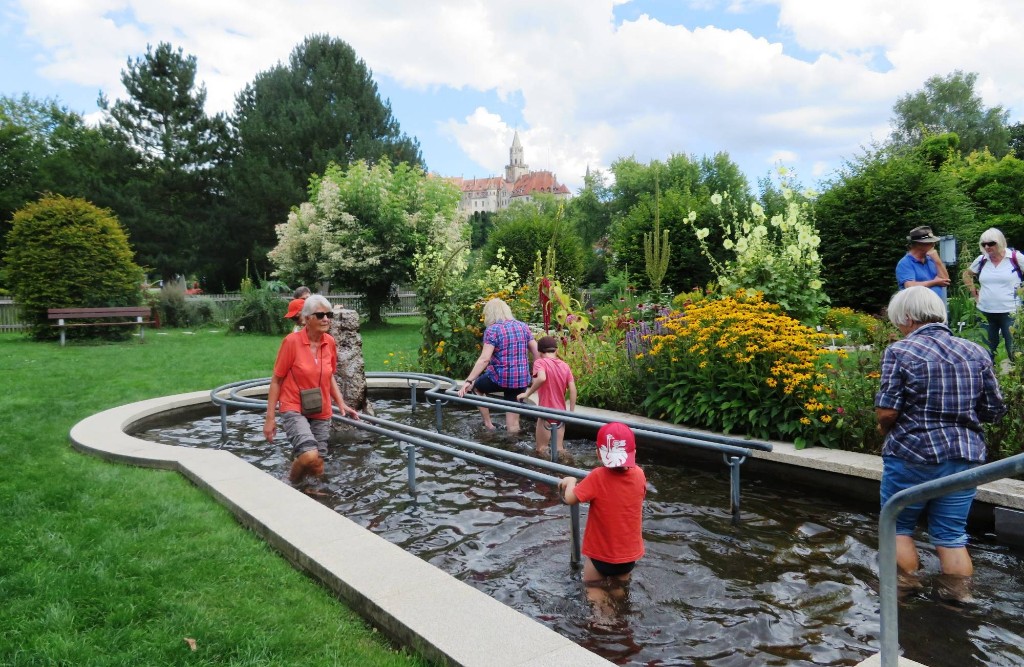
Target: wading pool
[791,585]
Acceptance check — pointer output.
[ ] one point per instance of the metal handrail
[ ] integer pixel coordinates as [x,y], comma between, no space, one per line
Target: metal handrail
[889,625]
[735,451]
[441,390]
[415,437]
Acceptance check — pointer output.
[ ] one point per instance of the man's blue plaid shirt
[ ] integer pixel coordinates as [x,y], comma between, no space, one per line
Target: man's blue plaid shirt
[943,387]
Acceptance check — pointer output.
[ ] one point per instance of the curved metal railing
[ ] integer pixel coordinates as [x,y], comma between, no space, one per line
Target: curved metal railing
[439,390]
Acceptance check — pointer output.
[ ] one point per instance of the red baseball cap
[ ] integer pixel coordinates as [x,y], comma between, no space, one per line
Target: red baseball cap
[294,308]
[616,445]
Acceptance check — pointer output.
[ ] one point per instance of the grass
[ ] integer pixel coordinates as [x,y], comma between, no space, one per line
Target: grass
[107,564]
[395,342]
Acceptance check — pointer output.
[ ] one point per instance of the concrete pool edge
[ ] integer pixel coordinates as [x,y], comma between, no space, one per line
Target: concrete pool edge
[361,567]
[394,590]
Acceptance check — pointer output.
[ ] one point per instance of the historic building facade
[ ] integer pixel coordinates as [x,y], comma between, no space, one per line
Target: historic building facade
[494,193]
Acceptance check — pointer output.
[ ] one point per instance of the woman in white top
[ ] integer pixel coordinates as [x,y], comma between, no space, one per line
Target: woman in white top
[998,271]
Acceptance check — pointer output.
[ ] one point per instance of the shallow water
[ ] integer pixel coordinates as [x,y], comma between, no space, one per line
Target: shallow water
[791,585]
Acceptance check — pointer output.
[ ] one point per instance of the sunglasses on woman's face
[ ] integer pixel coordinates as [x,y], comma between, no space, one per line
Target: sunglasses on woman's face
[988,244]
[321,316]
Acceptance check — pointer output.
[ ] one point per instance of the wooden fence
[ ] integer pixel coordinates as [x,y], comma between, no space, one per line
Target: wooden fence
[224,304]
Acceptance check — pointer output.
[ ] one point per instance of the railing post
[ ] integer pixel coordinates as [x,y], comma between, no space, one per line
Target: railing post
[888,617]
[734,463]
[410,454]
[223,422]
[887,566]
[553,441]
[438,421]
[574,519]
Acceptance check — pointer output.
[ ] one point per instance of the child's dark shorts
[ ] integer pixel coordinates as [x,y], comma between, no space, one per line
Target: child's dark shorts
[612,569]
[485,385]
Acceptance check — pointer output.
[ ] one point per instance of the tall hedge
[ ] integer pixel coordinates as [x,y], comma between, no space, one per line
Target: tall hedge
[865,215]
[66,253]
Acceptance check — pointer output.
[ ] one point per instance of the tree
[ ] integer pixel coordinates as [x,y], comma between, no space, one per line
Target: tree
[949,104]
[865,214]
[526,228]
[44,147]
[64,252]
[293,120]
[171,202]
[686,185]
[589,211]
[1017,140]
[362,227]
[996,189]
[480,225]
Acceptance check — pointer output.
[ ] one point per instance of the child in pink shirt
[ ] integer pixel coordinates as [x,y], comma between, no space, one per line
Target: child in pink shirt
[552,377]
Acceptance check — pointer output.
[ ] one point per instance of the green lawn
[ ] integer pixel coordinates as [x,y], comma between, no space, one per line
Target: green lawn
[106,564]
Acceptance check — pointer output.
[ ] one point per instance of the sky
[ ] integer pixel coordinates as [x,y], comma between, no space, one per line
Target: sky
[804,84]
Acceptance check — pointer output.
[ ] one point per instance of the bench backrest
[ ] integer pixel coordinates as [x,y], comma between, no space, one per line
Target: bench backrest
[116,311]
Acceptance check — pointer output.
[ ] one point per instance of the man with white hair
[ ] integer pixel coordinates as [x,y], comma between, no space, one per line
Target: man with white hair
[936,390]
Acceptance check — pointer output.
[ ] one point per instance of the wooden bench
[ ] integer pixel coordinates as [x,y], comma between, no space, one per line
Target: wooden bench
[62,315]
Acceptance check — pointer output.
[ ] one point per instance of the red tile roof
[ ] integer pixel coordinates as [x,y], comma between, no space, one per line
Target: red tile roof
[537,181]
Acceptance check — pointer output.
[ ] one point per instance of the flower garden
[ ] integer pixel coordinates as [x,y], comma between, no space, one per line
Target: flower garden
[758,352]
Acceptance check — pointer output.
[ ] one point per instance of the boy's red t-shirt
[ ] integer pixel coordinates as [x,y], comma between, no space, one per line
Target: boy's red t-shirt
[614,531]
[558,375]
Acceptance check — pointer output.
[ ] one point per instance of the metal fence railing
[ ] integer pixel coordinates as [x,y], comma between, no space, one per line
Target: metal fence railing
[889,622]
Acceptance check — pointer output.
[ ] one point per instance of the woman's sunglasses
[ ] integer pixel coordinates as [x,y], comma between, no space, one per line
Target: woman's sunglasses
[988,244]
[321,316]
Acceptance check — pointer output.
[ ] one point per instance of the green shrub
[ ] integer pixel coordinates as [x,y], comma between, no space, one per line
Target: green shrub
[605,376]
[66,253]
[200,311]
[171,305]
[523,237]
[261,310]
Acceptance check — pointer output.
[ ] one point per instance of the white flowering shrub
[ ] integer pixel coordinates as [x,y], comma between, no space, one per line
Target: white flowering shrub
[777,257]
[363,228]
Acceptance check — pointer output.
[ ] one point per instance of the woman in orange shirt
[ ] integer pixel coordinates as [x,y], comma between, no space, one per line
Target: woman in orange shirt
[303,385]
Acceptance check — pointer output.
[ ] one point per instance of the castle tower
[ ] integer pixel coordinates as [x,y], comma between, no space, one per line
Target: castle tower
[516,165]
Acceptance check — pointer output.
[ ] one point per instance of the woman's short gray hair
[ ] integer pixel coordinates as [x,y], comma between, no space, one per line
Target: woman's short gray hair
[992,234]
[315,302]
[916,304]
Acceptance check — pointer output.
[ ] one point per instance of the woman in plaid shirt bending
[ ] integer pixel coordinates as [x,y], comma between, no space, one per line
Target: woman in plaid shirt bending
[503,365]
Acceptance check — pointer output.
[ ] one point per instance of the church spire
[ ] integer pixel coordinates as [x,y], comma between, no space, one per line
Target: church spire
[516,160]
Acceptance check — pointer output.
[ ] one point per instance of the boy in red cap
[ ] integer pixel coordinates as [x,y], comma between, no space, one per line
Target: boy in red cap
[613,539]
[552,377]
[295,313]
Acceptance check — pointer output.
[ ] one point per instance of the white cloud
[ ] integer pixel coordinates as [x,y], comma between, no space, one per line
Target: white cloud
[590,89]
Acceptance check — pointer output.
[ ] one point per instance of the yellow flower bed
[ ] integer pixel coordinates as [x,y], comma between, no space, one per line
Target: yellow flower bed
[739,364]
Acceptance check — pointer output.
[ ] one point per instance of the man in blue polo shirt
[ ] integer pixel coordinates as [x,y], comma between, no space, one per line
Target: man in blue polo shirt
[922,264]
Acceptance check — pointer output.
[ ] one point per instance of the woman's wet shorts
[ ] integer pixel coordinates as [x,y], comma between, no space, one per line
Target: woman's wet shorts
[612,569]
[304,433]
[485,385]
[947,515]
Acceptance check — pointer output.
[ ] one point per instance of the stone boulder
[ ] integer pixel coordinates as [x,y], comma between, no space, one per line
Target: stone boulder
[351,373]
